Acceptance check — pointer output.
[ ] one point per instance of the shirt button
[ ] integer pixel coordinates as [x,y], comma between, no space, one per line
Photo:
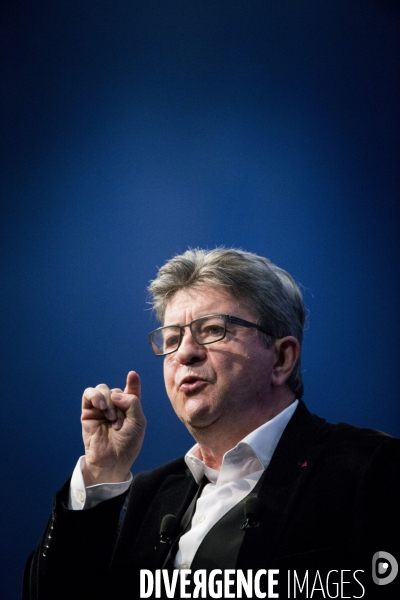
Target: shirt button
[225,482]
[184,566]
[200,518]
[80,496]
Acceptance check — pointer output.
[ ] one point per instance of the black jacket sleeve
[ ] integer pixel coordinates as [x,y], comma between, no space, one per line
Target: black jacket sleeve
[73,557]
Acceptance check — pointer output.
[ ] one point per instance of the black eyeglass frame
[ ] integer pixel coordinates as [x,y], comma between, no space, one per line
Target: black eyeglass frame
[225,318]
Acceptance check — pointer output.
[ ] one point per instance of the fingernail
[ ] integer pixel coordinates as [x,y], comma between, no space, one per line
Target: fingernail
[112,414]
[116,396]
[103,404]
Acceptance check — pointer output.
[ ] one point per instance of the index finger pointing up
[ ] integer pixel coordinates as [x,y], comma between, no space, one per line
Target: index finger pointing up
[132,384]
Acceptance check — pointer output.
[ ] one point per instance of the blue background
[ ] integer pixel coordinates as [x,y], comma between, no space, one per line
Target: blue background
[132,129]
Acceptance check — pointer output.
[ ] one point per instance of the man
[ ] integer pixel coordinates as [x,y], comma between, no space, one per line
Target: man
[266,486]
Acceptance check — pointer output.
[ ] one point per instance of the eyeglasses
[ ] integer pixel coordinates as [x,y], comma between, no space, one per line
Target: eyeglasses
[205,330]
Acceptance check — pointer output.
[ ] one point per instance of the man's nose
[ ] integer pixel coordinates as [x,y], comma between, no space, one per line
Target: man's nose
[189,350]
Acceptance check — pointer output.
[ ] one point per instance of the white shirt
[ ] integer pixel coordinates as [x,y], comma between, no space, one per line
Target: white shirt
[241,468]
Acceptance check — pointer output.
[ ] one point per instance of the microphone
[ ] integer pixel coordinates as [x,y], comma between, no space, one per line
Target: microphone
[168,527]
[252,512]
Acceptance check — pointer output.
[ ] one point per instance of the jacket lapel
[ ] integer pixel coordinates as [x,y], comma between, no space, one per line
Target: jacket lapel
[293,460]
[139,539]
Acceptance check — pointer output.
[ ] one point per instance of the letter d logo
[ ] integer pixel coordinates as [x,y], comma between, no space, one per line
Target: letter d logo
[384,568]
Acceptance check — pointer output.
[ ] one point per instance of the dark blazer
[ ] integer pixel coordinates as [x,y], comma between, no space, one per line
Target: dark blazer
[330,498]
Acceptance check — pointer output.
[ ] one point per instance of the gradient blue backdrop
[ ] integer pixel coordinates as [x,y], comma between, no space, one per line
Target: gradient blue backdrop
[132,129]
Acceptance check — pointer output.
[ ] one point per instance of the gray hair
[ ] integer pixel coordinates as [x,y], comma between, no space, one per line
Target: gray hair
[270,292]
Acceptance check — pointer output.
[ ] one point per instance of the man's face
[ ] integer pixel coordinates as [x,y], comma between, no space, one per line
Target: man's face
[220,383]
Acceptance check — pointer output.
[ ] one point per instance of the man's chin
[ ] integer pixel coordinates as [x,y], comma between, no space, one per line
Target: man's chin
[199,420]
[197,413]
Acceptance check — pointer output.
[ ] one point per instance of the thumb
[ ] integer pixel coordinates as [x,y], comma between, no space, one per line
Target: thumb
[132,384]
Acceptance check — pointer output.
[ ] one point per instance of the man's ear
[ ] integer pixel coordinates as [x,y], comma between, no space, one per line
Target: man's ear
[287,350]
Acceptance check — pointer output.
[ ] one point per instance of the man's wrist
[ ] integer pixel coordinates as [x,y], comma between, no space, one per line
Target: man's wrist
[95,475]
[82,497]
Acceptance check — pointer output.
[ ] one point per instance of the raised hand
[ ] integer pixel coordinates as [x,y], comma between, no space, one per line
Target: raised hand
[113,426]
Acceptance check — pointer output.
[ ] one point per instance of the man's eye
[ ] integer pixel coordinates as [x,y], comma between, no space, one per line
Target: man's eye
[214,330]
[170,341]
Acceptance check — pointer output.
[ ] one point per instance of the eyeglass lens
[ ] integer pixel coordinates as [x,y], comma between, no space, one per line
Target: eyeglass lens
[204,330]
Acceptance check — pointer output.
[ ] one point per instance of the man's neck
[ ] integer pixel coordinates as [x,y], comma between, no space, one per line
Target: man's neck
[219,438]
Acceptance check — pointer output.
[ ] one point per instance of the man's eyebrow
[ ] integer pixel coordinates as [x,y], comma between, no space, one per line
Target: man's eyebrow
[206,314]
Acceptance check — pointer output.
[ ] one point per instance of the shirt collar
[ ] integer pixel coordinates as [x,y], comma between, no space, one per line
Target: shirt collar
[251,454]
